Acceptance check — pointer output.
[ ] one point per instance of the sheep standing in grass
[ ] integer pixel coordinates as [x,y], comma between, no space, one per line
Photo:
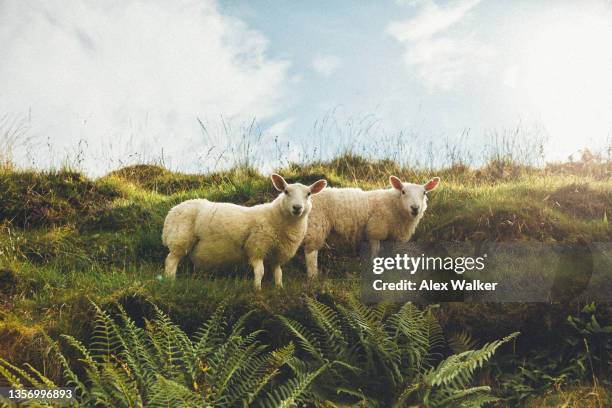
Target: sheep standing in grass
[356,215]
[221,234]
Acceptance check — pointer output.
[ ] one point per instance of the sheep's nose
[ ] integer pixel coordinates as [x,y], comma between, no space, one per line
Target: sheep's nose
[297,208]
[415,209]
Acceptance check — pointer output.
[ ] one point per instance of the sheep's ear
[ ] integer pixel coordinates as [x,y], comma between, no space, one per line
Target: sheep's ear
[396,183]
[318,186]
[431,184]
[279,182]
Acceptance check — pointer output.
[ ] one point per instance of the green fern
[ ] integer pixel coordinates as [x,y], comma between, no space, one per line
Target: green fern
[377,359]
[458,369]
[448,385]
[349,354]
[461,341]
[288,395]
[160,366]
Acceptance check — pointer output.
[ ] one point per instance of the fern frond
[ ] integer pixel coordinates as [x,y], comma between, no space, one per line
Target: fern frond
[327,328]
[461,341]
[458,369]
[115,387]
[6,373]
[70,376]
[165,347]
[168,393]
[238,326]
[256,373]
[174,348]
[407,393]
[435,339]
[105,342]
[235,361]
[23,374]
[90,363]
[211,334]
[469,397]
[43,380]
[288,395]
[135,351]
[304,338]
[372,339]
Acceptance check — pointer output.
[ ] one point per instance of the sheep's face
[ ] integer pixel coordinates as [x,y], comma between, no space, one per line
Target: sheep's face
[413,197]
[295,198]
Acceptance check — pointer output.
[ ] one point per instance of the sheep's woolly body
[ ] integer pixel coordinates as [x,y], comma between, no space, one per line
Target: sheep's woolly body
[219,234]
[356,215]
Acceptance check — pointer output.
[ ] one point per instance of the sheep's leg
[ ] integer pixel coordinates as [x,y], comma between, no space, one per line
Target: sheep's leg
[258,271]
[278,276]
[172,261]
[311,264]
[374,247]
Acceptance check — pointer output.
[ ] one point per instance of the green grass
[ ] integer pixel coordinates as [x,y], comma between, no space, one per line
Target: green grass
[67,240]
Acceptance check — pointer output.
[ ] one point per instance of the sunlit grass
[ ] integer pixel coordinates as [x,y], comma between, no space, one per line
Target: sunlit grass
[67,240]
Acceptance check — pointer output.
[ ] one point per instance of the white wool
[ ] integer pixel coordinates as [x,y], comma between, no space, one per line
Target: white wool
[355,216]
[217,235]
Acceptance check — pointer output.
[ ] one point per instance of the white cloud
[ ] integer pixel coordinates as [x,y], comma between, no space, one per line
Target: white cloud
[437,46]
[133,71]
[430,20]
[326,64]
[280,128]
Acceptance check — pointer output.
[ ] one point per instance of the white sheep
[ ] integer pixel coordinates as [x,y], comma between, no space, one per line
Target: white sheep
[216,235]
[355,215]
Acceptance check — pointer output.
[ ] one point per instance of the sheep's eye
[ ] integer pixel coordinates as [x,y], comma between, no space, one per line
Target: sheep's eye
[287,192]
[403,192]
[308,195]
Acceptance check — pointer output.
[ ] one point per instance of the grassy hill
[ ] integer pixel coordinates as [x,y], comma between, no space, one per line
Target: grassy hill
[67,240]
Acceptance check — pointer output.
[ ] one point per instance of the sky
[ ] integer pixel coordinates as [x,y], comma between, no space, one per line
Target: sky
[203,84]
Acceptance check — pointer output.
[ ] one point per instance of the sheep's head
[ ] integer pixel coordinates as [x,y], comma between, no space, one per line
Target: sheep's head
[413,197]
[295,198]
